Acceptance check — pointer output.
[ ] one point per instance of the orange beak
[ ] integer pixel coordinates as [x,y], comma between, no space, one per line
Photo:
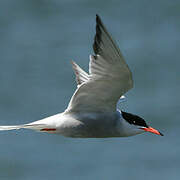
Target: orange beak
[152,130]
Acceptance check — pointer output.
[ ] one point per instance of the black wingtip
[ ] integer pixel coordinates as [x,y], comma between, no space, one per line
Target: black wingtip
[97,16]
[98,19]
[97,38]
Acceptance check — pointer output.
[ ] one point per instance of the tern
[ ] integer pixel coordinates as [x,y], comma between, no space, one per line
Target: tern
[92,111]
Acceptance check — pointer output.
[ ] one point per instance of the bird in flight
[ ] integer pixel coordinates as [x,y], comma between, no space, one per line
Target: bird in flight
[92,111]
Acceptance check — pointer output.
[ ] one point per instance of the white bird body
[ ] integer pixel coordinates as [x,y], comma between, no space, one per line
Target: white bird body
[92,111]
[82,125]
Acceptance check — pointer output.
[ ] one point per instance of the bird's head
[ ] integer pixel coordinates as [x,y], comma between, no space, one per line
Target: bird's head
[137,125]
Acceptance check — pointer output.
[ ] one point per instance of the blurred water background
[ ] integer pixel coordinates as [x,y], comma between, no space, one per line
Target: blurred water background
[38,38]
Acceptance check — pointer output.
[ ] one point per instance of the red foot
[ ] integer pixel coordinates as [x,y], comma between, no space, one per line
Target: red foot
[48,129]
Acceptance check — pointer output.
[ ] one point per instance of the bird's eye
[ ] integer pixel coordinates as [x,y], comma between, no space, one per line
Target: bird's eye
[134,122]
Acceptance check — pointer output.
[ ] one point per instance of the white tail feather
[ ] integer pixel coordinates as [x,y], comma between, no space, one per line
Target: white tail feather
[44,125]
[37,127]
[6,128]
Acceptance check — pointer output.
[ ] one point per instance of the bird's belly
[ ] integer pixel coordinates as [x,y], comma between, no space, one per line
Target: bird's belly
[85,126]
[83,131]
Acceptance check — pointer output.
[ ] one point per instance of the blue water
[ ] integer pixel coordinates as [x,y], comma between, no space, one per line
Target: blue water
[37,41]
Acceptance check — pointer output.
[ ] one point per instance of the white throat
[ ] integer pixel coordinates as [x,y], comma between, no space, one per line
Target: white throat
[126,129]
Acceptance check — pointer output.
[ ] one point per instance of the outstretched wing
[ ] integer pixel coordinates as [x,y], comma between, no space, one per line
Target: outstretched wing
[109,76]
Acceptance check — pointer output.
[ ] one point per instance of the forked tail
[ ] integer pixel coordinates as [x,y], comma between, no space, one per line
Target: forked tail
[6,128]
[33,126]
